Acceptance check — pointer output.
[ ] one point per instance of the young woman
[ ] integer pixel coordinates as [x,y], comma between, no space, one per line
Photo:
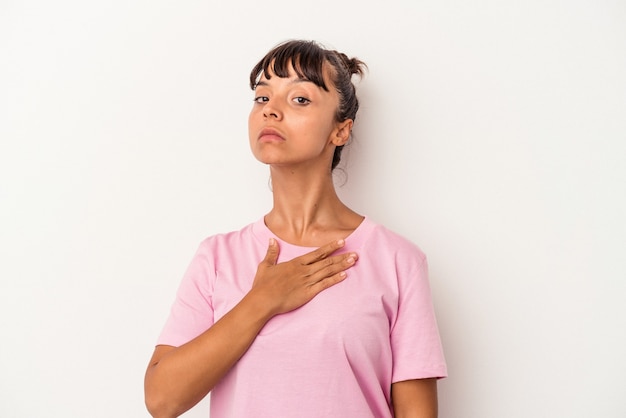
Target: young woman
[313,310]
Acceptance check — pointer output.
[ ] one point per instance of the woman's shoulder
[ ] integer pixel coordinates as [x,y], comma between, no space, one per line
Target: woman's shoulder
[387,239]
[231,238]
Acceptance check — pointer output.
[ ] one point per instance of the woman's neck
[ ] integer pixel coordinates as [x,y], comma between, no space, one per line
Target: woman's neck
[307,210]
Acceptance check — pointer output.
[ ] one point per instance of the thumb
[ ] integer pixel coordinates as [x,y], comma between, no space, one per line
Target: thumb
[271,257]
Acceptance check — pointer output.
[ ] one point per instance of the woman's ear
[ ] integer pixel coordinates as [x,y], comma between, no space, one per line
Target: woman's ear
[342,131]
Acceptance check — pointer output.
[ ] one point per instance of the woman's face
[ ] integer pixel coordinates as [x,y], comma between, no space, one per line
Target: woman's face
[292,122]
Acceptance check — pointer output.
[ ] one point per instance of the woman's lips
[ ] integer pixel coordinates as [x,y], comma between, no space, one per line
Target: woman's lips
[270,135]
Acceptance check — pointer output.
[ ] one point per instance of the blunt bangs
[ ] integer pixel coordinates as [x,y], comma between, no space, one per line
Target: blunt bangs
[305,57]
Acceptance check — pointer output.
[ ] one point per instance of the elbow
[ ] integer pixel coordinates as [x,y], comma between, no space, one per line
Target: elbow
[160,396]
[158,401]
[159,407]
[156,407]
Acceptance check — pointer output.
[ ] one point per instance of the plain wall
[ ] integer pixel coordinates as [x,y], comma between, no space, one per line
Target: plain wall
[491,133]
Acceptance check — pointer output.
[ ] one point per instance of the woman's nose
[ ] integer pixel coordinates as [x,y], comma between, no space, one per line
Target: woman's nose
[270,110]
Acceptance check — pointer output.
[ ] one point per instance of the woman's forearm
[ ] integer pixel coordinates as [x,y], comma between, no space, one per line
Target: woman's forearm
[177,378]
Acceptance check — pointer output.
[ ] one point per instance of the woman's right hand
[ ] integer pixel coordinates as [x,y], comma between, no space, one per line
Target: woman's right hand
[287,286]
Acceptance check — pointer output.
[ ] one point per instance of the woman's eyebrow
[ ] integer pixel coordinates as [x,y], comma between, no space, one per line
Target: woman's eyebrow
[294,81]
[301,80]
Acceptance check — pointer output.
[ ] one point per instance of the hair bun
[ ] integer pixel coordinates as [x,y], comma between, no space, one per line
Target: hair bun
[353,65]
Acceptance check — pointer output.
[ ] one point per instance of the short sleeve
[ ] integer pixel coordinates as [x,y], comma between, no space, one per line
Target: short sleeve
[415,341]
[192,311]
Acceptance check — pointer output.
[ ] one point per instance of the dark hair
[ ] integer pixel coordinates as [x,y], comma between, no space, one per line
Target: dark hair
[307,59]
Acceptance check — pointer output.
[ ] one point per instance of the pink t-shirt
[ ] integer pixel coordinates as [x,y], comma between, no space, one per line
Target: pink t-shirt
[336,356]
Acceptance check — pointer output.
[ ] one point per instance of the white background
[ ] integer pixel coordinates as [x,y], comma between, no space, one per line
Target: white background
[491,133]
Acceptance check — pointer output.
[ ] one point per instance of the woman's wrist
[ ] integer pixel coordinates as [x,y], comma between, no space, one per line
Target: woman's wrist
[260,306]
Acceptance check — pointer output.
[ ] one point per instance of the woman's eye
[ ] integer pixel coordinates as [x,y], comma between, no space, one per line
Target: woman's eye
[302,100]
[261,99]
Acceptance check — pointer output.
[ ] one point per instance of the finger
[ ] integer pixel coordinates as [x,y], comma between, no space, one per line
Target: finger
[331,265]
[322,252]
[328,282]
[271,257]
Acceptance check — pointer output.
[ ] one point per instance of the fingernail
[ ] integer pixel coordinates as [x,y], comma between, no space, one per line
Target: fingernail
[272,241]
[341,242]
[350,260]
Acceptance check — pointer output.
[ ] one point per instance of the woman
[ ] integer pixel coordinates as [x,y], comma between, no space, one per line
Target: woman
[314,310]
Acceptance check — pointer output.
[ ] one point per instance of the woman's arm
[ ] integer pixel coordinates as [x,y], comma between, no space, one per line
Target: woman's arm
[179,377]
[414,398]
